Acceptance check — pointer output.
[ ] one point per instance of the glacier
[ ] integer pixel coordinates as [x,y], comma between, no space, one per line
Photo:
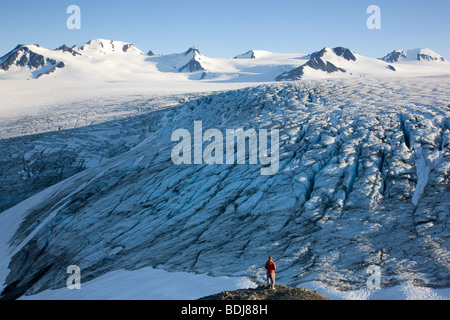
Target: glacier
[363,180]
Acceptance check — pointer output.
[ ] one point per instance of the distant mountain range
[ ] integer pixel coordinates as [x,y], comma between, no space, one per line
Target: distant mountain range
[106,59]
[412,55]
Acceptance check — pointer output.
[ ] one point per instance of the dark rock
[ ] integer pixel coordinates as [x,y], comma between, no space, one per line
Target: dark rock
[58,66]
[126,47]
[51,61]
[250,53]
[345,53]
[319,64]
[316,62]
[29,58]
[36,60]
[192,66]
[22,62]
[281,292]
[10,58]
[394,56]
[425,57]
[195,51]
[65,48]
[391,67]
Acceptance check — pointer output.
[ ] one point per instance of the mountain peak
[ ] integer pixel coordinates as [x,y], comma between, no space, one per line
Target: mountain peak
[192,50]
[418,54]
[105,46]
[347,54]
[191,61]
[319,61]
[65,48]
[31,57]
[22,56]
[248,55]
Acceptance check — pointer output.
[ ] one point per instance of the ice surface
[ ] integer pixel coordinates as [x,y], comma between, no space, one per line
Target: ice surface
[363,180]
[154,284]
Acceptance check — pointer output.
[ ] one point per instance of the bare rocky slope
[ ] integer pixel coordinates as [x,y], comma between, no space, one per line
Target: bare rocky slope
[281,292]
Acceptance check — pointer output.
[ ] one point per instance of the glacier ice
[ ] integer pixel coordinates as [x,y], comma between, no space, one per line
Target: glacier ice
[363,180]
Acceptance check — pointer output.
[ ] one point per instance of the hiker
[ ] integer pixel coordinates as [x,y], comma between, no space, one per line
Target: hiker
[271,267]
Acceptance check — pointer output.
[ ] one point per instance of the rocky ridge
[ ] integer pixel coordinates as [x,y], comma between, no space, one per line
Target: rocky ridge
[281,292]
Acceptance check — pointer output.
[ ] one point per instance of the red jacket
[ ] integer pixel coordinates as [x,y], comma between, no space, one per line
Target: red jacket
[270,266]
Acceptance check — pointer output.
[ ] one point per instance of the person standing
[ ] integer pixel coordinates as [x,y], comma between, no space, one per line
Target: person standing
[270,267]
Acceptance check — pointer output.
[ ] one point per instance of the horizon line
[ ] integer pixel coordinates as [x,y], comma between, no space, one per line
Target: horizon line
[194,47]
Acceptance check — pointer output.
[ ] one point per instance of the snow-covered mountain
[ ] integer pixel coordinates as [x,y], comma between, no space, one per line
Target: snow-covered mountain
[34,61]
[337,62]
[248,55]
[189,61]
[412,55]
[363,181]
[121,61]
[105,47]
[65,48]
[37,60]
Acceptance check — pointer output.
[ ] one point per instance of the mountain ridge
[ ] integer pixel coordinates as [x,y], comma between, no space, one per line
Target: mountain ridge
[281,292]
[122,59]
[419,54]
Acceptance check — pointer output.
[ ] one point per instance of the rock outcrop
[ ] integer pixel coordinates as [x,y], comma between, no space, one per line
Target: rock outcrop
[281,292]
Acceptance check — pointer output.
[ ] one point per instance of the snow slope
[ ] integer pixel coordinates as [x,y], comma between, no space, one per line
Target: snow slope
[363,180]
[110,60]
[31,61]
[154,284]
[423,54]
[342,63]
[149,284]
[99,47]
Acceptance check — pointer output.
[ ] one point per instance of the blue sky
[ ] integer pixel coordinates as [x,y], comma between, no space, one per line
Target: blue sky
[227,28]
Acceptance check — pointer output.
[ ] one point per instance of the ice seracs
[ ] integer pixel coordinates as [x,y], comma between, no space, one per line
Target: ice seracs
[363,180]
[214,152]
